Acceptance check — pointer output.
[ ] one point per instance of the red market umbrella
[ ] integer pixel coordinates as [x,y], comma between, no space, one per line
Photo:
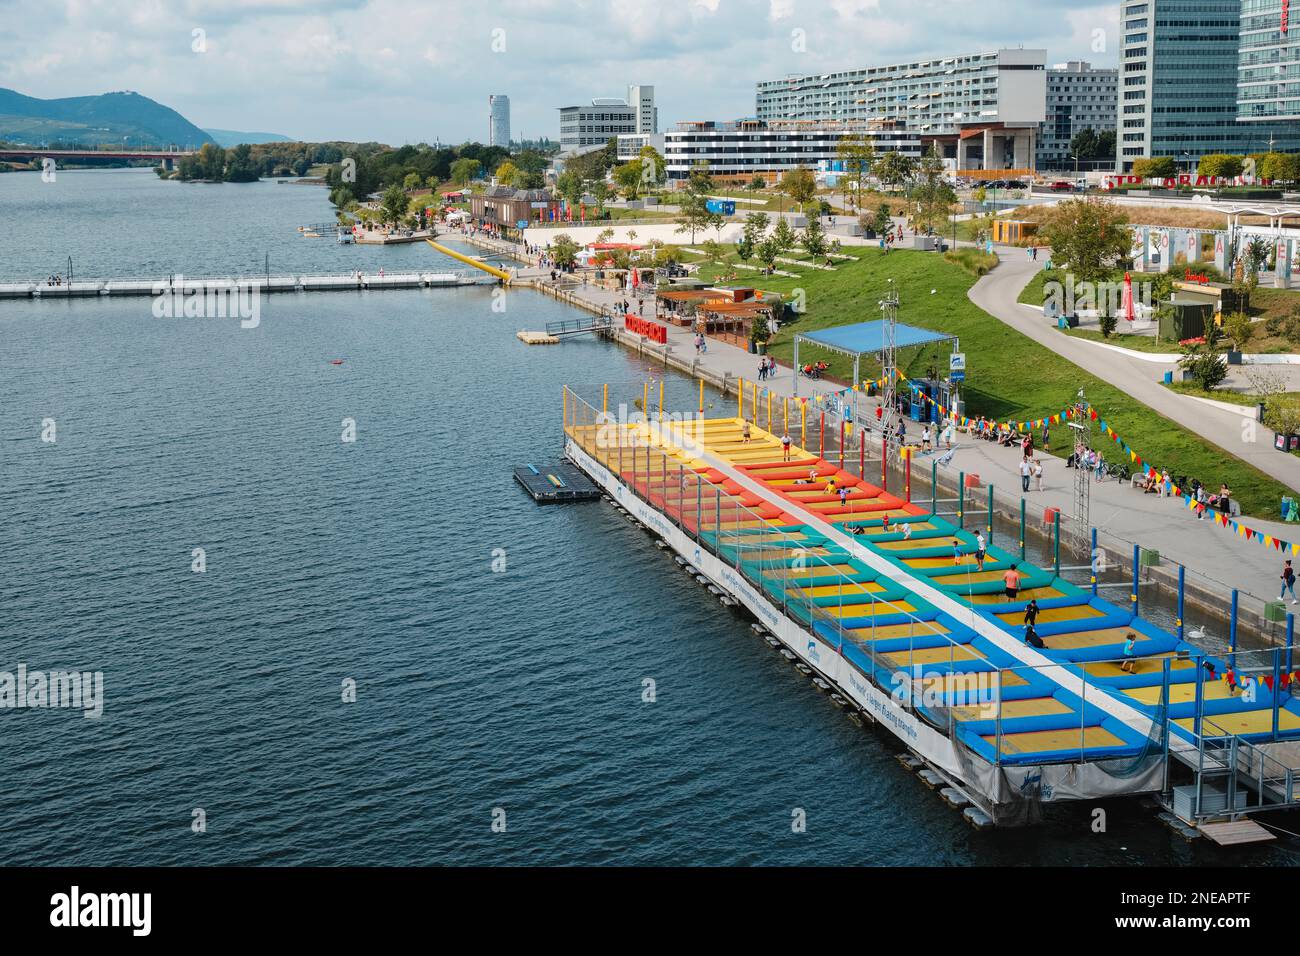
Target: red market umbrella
[1128,297]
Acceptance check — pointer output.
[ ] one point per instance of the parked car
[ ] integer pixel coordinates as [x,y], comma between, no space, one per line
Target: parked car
[1061,186]
[1017,184]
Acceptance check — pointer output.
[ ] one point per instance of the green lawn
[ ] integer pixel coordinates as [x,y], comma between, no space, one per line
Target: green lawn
[1010,375]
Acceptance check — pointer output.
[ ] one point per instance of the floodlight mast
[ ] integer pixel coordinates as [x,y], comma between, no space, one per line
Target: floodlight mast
[889,368]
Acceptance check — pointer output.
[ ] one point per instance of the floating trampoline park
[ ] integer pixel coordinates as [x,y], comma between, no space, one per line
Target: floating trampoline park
[885,600]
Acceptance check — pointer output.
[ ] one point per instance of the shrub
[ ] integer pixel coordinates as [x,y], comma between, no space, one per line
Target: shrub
[1204,366]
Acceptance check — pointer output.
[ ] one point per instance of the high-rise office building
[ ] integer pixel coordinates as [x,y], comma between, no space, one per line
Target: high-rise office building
[1079,97]
[1268,63]
[498,120]
[1179,66]
[642,99]
[981,110]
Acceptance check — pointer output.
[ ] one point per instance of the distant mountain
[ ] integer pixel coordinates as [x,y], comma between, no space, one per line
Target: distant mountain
[233,137]
[108,118]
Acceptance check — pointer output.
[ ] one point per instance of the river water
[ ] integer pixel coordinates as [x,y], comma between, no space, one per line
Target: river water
[479,692]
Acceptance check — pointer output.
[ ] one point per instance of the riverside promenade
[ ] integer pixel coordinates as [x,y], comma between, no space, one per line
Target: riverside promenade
[1210,553]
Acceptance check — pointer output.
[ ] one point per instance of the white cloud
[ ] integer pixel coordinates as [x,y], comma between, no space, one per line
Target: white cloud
[394,71]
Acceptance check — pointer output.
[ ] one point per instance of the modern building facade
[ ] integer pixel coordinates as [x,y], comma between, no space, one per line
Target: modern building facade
[1268,63]
[631,144]
[498,120]
[1079,97]
[982,110]
[642,99]
[751,147]
[594,125]
[1179,74]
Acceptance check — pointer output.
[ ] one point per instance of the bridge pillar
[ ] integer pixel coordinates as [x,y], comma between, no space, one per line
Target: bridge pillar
[168,163]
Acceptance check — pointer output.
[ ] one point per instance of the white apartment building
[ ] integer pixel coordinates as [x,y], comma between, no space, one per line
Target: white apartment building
[982,110]
[750,147]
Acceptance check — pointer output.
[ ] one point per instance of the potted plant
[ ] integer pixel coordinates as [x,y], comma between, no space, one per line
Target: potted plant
[758,335]
[1239,329]
[1282,414]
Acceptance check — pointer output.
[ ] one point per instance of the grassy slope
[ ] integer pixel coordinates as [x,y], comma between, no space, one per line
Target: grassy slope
[1011,376]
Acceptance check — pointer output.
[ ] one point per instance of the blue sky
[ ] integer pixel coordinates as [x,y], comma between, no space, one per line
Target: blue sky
[402,72]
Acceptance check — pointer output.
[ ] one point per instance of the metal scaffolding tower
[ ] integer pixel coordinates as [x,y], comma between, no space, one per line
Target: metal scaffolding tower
[889,368]
[1081,431]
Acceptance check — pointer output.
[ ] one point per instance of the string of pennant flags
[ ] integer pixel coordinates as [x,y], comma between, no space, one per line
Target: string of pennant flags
[1141,466]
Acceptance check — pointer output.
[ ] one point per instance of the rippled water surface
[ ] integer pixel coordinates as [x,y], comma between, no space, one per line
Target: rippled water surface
[372,560]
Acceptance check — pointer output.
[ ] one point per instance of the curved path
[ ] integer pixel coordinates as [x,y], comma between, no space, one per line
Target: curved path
[997,293]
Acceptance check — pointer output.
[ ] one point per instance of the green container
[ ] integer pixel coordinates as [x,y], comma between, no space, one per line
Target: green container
[1275,611]
[1148,558]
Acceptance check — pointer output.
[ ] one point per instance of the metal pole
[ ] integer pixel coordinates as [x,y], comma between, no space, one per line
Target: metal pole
[821,435]
[1022,529]
[990,521]
[1164,698]
[934,485]
[1093,569]
[841,444]
[1232,632]
[961,497]
[1182,580]
[1056,543]
[1133,598]
[884,459]
[1290,639]
[1200,701]
[1277,697]
[908,479]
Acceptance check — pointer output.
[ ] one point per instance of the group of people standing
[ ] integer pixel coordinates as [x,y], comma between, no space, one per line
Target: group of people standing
[766,368]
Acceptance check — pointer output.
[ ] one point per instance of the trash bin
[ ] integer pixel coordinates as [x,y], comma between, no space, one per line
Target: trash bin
[1275,612]
[1286,505]
[1169,377]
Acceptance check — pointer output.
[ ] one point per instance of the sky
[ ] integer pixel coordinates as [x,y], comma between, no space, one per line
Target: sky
[410,71]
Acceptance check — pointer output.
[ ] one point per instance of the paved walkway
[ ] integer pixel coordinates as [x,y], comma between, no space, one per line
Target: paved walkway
[1231,430]
[1162,524]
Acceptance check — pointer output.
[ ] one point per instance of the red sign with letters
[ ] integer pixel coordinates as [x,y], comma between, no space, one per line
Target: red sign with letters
[651,330]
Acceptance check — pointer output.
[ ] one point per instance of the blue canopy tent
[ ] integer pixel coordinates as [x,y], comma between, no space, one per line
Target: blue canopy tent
[864,338]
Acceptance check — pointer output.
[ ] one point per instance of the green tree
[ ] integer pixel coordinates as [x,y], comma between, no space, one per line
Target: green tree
[464,170]
[755,228]
[713,251]
[1088,237]
[1278,167]
[883,222]
[1159,167]
[571,185]
[628,179]
[814,237]
[652,167]
[393,204]
[757,183]
[767,252]
[783,235]
[894,168]
[932,196]
[858,153]
[564,250]
[1220,164]
[799,184]
[411,181]
[507,173]
[600,193]
[1205,366]
[694,214]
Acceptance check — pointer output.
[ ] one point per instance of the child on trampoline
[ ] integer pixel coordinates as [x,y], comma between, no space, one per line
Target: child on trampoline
[1130,659]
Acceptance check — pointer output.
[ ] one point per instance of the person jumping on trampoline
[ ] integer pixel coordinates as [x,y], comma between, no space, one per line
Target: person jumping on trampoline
[744,433]
[1130,658]
[1012,581]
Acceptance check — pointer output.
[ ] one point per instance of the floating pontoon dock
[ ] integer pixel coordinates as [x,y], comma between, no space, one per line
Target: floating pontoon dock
[554,483]
[186,285]
[906,626]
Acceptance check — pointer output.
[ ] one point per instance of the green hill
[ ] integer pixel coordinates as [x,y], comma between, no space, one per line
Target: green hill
[110,118]
[233,137]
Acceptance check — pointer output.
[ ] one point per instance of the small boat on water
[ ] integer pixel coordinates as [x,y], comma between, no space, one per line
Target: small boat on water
[309,234]
[345,238]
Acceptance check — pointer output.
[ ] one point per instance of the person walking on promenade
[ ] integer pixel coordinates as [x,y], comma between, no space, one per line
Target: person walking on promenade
[1038,475]
[1288,581]
[762,369]
[1047,436]
[1025,469]
[925,439]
